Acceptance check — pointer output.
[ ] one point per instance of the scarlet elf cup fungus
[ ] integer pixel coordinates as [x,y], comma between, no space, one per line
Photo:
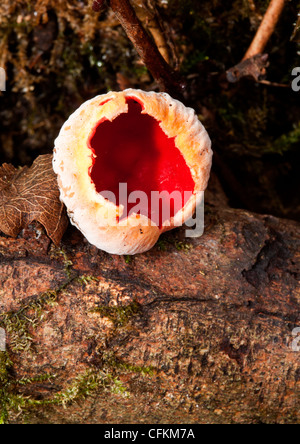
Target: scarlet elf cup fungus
[131,165]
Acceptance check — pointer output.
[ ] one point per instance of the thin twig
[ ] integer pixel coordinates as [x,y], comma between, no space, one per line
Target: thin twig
[148,16]
[168,79]
[266,28]
[275,84]
[255,62]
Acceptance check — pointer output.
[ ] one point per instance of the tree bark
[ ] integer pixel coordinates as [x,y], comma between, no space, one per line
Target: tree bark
[194,331]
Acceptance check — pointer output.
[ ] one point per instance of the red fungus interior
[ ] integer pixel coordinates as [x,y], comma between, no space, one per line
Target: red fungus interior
[133,149]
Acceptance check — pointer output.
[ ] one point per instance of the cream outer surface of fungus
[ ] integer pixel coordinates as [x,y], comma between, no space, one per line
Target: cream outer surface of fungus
[148,141]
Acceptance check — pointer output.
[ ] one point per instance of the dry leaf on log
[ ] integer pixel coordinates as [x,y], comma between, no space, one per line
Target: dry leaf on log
[253,67]
[31,194]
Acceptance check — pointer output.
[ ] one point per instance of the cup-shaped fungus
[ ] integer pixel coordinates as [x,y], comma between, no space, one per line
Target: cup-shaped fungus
[130,166]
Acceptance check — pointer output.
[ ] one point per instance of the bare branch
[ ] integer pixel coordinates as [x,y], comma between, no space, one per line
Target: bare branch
[168,79]
[266,28]
[255,62]
[147,13]
[254,67]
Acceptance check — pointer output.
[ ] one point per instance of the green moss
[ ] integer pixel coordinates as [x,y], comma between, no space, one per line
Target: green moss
[286,142]
[171,240]
[119,315]
[86,384]
[86,279]
[161,244]
[140,70]
[16,324]
[191,62]
[128,259]
[183,246]
[113,362]
[56,253]
[5,365]
[10,400]
[231,114]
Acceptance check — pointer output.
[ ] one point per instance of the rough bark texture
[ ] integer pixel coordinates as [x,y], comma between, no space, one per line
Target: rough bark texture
[194,331]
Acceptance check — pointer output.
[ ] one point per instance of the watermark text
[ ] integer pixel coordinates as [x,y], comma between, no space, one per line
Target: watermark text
[296,81]
[2,340]
[2,79]
[295,345]
[163,209]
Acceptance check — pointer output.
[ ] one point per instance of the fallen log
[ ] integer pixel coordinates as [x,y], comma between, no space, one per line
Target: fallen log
[194,331]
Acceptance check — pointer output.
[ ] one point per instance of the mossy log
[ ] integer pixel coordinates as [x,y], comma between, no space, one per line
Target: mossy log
[195,331]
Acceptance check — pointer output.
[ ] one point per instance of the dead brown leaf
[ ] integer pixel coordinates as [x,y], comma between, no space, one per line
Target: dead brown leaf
[254,67]
[31,194]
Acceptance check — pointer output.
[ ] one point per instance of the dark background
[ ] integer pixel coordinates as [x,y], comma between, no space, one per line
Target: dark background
[58,58]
